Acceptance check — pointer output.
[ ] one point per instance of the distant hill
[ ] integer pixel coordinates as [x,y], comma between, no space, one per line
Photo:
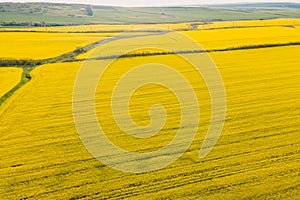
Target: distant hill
[40,14]
[269,6]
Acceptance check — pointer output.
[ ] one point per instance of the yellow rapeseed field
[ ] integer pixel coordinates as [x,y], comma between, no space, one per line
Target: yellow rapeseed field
[224,38]
[251,23]
[178,26]
[257,155]
[107,28]
[9,77]
[23,45]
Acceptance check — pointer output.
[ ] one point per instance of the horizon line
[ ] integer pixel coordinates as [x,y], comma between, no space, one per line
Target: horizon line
[175,5]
